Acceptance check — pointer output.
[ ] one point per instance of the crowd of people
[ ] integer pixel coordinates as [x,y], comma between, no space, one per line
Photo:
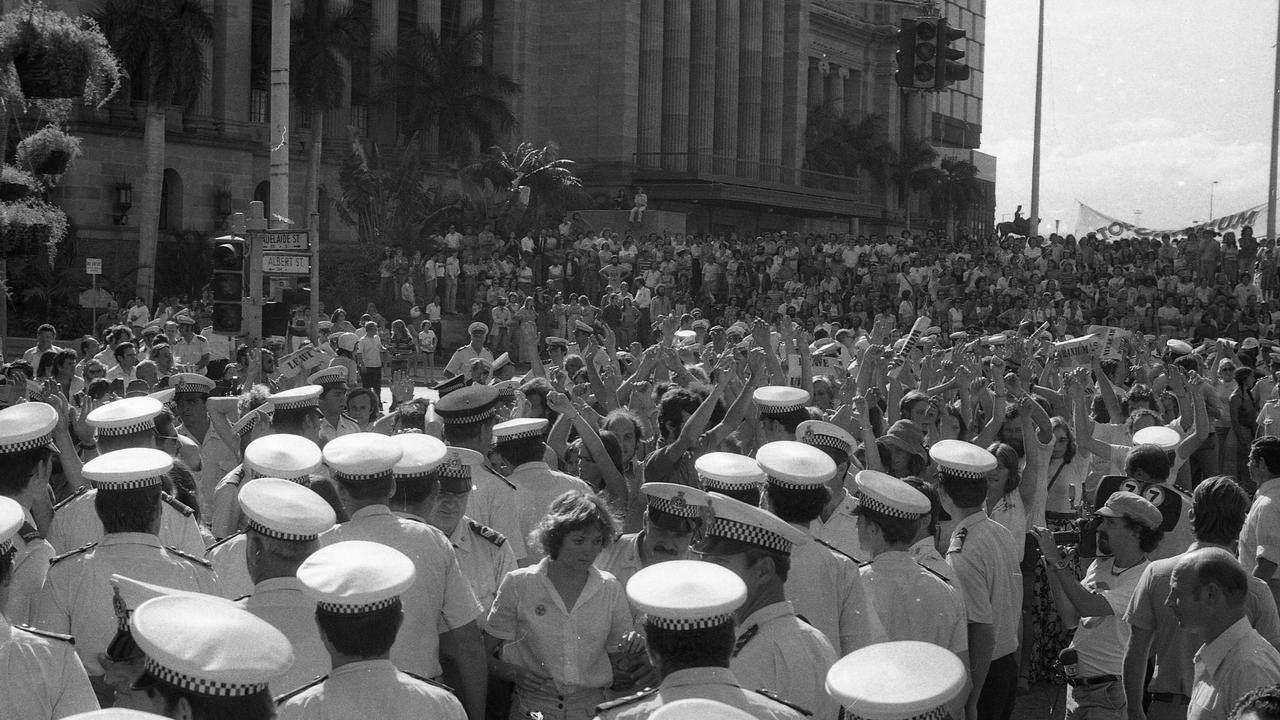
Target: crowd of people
[721,481]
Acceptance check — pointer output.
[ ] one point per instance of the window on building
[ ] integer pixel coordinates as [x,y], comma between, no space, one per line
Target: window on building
[171,201]
[260,62]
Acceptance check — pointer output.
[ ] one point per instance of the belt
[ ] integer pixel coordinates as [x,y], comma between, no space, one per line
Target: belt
[1171,698]
[1090,682]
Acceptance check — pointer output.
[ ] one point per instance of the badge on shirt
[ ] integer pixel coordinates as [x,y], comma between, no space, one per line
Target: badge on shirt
[540,610]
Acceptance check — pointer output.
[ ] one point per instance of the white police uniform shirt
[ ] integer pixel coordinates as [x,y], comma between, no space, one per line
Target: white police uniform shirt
[231,565]
[484,557]
[987,575]
[926,553]
[915,603]
[76,524]
[44,677]
[492,503]
[347,425]
[371,689]
[216,459]
[224,508]
[440,599]
[841,530]
[283,602]
[32,554]
[778,651]
[77,596]
[460,362]
[537,486]
[622,558]
[710,683]
[826,589]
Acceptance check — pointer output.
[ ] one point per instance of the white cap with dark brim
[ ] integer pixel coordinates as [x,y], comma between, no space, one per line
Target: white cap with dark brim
[686,594]
[290,457]
[361,457]
[284,510]
[898,680]
[728,471]
[792,465]
[27,426]
[128,469]
[125,417]
[356,576]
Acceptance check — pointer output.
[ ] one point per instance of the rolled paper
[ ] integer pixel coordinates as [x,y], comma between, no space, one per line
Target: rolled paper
[911,341]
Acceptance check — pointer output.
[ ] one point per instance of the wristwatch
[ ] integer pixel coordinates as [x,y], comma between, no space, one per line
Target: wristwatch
[1060,564]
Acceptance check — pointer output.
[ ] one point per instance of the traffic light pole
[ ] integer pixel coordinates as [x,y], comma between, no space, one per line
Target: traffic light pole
[253,304]
[313,328]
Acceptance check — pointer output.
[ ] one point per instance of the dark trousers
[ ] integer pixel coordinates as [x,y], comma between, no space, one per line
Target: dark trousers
[371,377]
[1000,690]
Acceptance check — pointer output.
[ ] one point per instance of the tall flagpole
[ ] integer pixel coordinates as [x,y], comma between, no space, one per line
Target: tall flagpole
[1034,219]
[1275,139]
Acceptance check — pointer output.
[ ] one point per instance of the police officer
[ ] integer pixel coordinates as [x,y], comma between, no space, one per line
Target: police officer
[468,418]
[285,457]
[823,583]
[284,525]
[782,409]
[899,680]
[774,649]
[77,596]
[191,400]
[673,515]
[837,525]
[984,558]
[45,677]
[461,359]
[730,474]
[357,587]
[333,403]
[128,423]
[27,446]
[689,609]
[207,658]
[522,444]
[440,626]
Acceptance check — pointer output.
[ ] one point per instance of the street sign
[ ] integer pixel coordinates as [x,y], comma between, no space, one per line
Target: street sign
[286,264]
[278,240]
[93,266]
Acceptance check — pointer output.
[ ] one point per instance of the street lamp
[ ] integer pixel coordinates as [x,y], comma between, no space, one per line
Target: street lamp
[1212,185]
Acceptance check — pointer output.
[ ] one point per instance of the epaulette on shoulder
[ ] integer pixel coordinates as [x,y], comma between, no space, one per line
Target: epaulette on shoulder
[188,556]
[67,500]
[198,335]
[935,573]
[29,533]
[292,693]
[488,533]
[429,681]
[837,550]
[83,548]
[223,541]
[47,634]
[778,699]
[489,469]
[625,700]
[243,597]
[957,541]
[172,502]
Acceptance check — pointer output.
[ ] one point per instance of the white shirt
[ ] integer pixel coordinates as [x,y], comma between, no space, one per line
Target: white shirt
[1230,665]
[1100,640]
[369,349]
[708,683]
[841,530]
[45,677]
[569,645]
[779,651]
[981,553]
[231,565]
[485,557]
[915,603]
[826,589]
[32,554]
[372,689]
[76,524]
[1260,536]
[440,599]
[284,604]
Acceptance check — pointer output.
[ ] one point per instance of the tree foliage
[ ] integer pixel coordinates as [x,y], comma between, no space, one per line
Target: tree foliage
[161,45]
[389,198]
[524,188]
[836,144]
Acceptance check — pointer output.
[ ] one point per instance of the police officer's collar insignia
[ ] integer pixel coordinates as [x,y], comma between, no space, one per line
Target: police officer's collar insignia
[745,638]
[957,540]
[808,437]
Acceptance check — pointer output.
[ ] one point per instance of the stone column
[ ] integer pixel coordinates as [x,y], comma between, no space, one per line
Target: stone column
[649,125]
[675,84]
[702,84]
[815,82]
[429,14]
[471,10]
[230,79]
[771,88]
[751,37]
[727,67]
[853,95]
[795,101]
[204,103]
[382,117]
[834,96]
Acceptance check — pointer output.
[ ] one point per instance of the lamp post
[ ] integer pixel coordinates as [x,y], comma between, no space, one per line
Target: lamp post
[1212,185]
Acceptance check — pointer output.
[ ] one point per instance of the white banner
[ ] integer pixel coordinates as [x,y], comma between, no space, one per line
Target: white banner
[1075,353]
[1109,228]
[1108,339]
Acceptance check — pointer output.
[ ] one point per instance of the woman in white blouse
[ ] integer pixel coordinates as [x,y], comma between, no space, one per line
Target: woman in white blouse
[557,628]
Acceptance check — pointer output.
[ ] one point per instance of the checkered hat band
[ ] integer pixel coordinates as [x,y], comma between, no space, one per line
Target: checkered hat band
[340,609]
[935,714]
[412,476]
[830,441]
[359,478]
[450,471]
[965,473]
[523,435]
[135,484]
[7,548]
[714,484]
[192,388]
[750,534]
[780,409]
[249,423]
[688,623]
[201,686]
[296,404]
[261,529]
[788,484]
[875,505]
[474,417]
[141,425]
[680,509]
[32,444]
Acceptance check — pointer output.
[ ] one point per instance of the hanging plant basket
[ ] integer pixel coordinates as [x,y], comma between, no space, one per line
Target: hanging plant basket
[16,184]
[49,151]
[50,55]
[27,226]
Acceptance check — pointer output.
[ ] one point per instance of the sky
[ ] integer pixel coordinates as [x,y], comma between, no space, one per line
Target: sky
[1145,104]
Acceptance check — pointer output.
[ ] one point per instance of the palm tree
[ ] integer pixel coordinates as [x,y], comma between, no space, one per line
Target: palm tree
[440,84]
[389,200]
[160,44]
[324,34]
[836,144]
[536,182]
[957,186]
[911,170]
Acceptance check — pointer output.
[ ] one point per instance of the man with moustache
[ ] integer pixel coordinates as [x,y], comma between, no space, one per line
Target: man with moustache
[1130,529]
[672,516]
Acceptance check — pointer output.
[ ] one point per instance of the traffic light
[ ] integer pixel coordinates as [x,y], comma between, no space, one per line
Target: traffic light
[228,285]
[917,53]
[275,319]
[949,70]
